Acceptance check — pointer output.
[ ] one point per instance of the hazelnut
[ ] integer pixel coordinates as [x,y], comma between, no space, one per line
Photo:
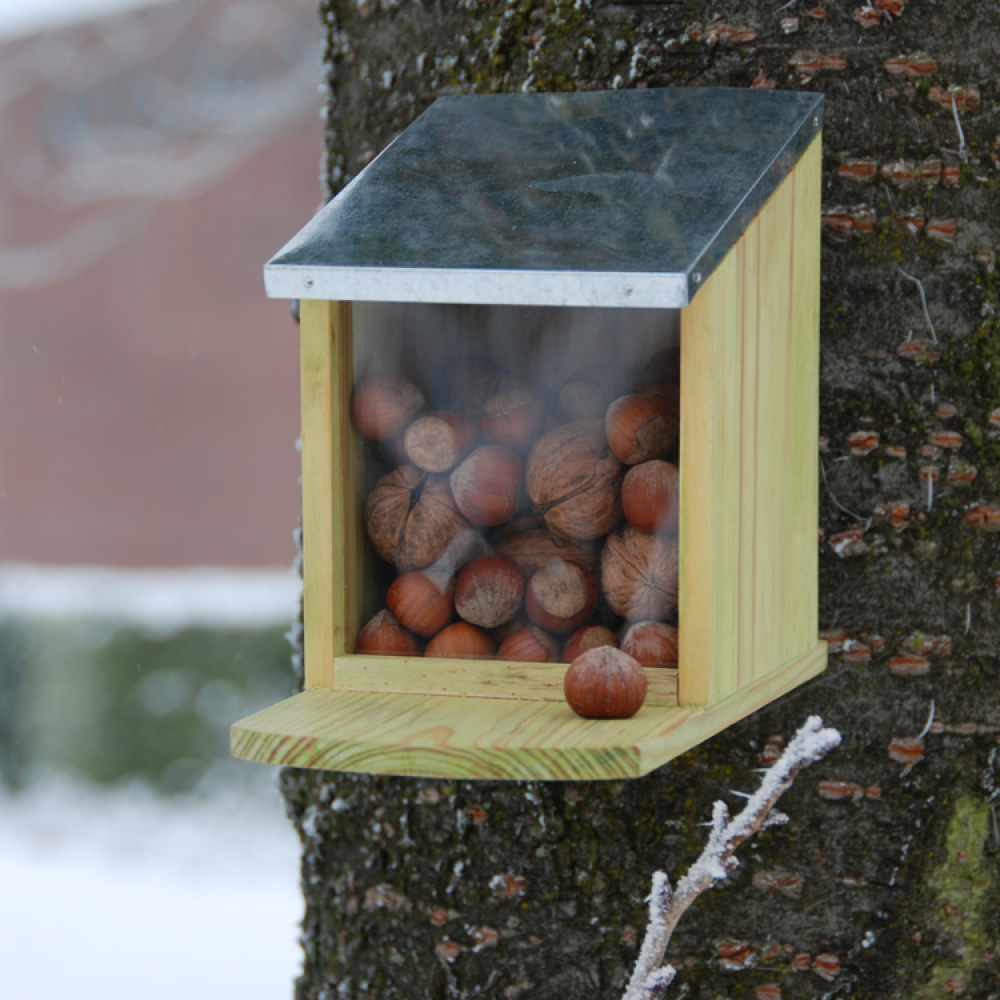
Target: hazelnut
[529,645]
[461,641]
[574,480]
[605,683]
[489,591]
[560,596]
[383,634]
[651,496]
[420,603]
[587,637]
[531,545]
[513,415]
[639,573]
[643,425]
[487,485]
[653,644]
[382,404]
[436,442]
[411,518]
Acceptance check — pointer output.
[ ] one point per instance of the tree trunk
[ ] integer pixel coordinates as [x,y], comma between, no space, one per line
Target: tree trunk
[429,889]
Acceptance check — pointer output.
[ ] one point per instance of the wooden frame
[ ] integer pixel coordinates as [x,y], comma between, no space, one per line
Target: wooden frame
[748,583]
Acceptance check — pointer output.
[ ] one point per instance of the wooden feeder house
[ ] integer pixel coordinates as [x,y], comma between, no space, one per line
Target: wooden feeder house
[559,371]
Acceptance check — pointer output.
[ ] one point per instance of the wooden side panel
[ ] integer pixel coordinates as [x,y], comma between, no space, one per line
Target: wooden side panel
[802,584]
[748,450]
[711,335]
[749,360]
[772,475]
[329,466]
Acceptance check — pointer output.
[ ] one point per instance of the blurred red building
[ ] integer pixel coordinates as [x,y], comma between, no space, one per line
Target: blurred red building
[150,162]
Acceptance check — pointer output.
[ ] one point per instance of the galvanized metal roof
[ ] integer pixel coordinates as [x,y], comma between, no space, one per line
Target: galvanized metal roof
[601,198]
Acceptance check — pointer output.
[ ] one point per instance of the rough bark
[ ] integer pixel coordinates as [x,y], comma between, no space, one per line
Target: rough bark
[449,889]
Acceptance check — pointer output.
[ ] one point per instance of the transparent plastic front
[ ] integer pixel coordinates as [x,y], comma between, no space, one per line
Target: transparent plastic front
[520,484]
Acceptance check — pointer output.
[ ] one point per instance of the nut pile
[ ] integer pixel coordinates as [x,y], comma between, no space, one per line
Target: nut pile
[521,525]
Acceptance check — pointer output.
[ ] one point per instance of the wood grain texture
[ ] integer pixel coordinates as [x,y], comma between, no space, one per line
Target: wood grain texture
[333,575]
[748,450]
[435,736]
[320,490]
[802,600]
[749,255]
[764,526]
[476,678]
[711,335]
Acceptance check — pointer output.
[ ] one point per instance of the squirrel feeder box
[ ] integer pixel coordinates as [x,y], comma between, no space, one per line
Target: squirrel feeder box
[520,300]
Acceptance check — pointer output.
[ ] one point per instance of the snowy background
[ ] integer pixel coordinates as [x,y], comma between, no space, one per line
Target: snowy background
[123,894]
[118,888]
[137,858]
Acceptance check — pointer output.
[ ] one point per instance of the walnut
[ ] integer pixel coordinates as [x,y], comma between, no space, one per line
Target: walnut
[531,545]
[639,573]
[574,480]
[411,518]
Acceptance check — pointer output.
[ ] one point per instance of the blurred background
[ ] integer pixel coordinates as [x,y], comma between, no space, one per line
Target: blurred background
[152,157]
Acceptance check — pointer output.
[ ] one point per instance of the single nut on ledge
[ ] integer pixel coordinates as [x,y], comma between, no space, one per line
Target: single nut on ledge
[605,683]
[420,603]
[653,644]
[489,591]
[382,405]
[643,425]
[384,635]
[411,518]
[575,481]
[487,485]
[561,596]
[639,574]
[436,442]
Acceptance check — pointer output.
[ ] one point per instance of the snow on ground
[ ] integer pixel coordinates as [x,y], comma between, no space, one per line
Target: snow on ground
[161,599]
[108,895]
[126,894]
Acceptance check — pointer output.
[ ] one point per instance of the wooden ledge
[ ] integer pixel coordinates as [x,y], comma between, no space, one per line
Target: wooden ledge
[443,736]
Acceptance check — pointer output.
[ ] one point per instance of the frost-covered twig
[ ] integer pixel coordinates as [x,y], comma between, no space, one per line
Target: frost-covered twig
[666,906]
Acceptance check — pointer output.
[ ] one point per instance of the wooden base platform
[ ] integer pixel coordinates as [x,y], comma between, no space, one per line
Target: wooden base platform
[445,736]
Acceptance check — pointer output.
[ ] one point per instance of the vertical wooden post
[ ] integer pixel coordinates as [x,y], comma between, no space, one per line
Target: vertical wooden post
[711,334]
[329,501]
